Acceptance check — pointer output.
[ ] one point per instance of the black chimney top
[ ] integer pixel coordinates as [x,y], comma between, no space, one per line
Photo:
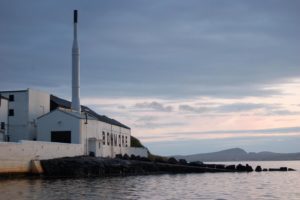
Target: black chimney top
[75,16]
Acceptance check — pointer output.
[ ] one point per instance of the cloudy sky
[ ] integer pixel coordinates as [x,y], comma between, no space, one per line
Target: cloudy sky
[187,76]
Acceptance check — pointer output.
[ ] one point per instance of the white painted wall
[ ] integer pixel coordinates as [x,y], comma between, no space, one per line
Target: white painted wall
[16,157]
[38,105]
[17,124]
[89,133]
[94,129]
[27,105]
[3,117]
[59,120]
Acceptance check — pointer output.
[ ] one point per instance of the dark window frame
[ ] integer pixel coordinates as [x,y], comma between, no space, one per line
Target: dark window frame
[11,112]
[2,126]
[108,139]
[11,98]
[103,137]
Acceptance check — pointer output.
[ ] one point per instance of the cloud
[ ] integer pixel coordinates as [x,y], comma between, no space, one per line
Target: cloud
[226,108]
[234,53]
[282,112]
[156,125]
[155,106]
[267,109]
[241,107]
[189,108]
[253,131]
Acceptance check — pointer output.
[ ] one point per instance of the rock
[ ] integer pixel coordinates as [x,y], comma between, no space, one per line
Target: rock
[126,157]
[196,163]
[119,156]
[282,169]
[249,168]
[219,166]
[133,157]
[291,169]
[172,160]
[210,166]
[182,161]
[230,167]
[241,168]
[265,169]
[258,169]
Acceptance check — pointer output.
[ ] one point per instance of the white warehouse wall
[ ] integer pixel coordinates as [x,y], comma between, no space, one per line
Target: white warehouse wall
[16,157]
[38,105]
[58,120]
[3,117]
[92,132]
[28,105]
[17,128]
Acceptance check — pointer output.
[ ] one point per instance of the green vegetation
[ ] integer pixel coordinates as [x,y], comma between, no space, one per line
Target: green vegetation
[135,142]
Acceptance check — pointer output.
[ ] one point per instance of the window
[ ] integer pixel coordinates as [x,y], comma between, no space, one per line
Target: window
[122,140]
[107,138]
[119,140]
[115,140]
[126,141]
[11,97]
[11,112]
[103,137]
[99,145]
[2,126]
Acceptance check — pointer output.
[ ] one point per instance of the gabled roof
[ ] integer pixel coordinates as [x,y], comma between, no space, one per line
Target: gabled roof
[69,112]
[67,104]
[2,97]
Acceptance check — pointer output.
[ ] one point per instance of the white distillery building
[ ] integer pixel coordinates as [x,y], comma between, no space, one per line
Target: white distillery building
[38,116]
[100,135]
[36,124]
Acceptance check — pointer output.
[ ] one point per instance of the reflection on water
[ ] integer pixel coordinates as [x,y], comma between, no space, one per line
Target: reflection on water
[266,185]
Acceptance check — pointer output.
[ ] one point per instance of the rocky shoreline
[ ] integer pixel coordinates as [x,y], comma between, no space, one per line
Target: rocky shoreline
[85,166]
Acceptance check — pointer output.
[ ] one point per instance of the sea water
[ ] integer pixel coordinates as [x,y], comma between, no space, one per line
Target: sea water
[254,185]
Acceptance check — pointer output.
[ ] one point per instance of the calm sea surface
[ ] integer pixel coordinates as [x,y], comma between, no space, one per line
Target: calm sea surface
[264,185]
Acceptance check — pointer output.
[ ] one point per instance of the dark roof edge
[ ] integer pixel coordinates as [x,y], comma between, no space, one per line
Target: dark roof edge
[59,110]
[3,97]
[10,91]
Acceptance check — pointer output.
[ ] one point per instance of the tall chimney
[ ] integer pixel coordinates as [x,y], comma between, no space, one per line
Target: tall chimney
[75,68]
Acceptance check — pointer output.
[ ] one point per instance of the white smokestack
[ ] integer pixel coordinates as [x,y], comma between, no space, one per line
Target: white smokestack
[75,69]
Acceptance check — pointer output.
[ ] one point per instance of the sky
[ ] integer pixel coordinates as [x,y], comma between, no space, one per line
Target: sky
[186,76]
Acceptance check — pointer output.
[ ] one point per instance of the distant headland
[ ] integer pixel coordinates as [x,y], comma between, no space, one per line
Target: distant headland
[238,154]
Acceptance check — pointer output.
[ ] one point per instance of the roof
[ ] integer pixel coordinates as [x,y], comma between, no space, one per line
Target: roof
[2,97]
[13,91]
[67,104]
[69,112]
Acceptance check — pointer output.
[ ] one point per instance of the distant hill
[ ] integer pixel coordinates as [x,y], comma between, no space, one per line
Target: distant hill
[238,154]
